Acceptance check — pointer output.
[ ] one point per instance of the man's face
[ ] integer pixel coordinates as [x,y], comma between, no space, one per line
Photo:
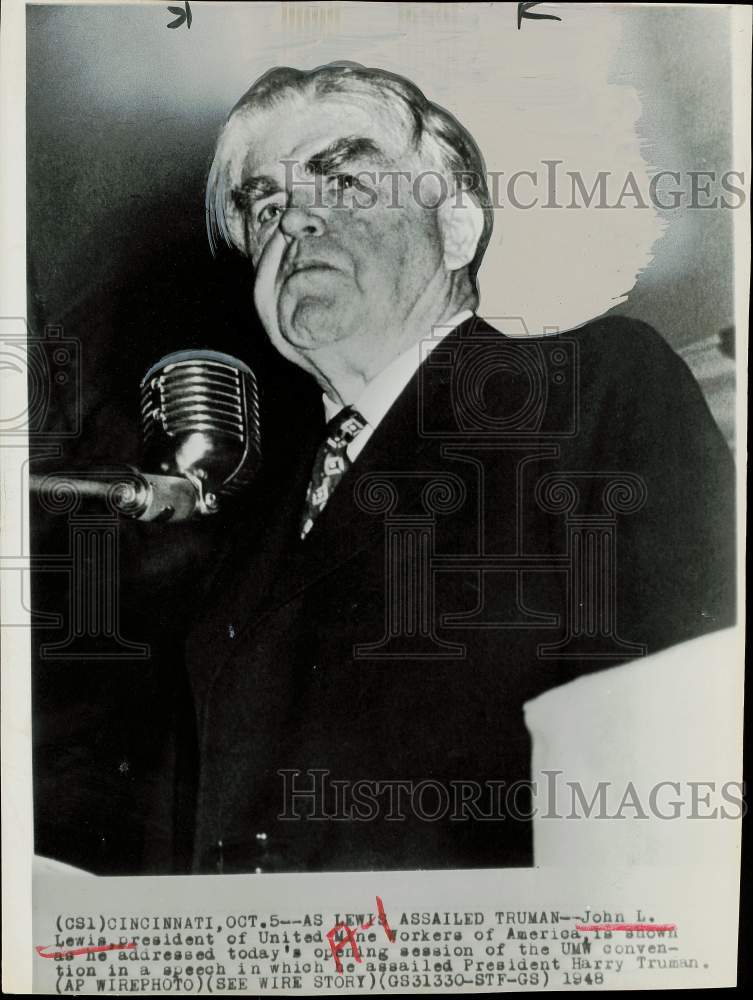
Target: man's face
[341,258]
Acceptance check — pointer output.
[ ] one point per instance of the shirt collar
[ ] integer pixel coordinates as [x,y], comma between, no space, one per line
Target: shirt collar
[381,392]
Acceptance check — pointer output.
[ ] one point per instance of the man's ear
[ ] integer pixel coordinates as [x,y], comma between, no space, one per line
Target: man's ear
[461,222]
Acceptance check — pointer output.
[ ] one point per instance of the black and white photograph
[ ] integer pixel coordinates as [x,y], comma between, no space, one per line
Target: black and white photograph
[373,460]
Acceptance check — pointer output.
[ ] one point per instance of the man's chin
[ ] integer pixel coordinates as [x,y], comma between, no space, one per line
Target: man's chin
[311,323]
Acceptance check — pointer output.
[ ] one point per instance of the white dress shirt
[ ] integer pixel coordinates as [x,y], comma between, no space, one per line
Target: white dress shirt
[382,391]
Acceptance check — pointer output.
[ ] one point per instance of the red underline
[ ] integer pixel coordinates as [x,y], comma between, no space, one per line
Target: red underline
[40,950]
[626,927]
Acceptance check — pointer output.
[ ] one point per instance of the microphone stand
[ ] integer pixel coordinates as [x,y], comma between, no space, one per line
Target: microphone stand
[135,494]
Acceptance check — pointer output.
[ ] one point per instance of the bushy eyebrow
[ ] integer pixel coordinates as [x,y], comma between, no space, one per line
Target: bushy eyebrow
[324,162]
[254,189]
[341,151]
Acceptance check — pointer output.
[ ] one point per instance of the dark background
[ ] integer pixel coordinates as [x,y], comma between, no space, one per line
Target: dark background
[118,259]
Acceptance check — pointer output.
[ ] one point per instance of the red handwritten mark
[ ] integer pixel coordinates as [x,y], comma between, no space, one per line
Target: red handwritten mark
[626,927]
[340,944]
[383,922]
[40,950]
[349,938]
[391,936]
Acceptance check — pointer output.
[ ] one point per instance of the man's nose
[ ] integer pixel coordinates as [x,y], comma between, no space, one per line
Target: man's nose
[301,216]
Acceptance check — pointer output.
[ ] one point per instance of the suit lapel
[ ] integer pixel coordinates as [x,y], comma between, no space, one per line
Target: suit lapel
[396,453]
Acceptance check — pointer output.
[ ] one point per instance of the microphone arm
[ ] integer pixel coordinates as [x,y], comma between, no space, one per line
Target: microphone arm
[139,495]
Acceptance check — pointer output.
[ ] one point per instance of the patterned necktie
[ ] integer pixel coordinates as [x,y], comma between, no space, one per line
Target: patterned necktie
[331,463]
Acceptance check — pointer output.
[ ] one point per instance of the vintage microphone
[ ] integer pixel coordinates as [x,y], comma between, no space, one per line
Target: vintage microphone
[201,441]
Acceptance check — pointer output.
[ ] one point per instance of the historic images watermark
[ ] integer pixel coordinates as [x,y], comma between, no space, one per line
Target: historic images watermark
[336,182]
[485,428]
[314,794]
[47,371]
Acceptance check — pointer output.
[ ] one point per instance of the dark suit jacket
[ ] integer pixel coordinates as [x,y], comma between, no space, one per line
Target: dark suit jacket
[528,510]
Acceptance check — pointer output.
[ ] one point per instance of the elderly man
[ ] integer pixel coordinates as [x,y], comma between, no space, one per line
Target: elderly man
[482,518]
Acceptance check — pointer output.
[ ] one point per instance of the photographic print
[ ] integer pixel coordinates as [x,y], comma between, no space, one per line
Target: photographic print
[373,470]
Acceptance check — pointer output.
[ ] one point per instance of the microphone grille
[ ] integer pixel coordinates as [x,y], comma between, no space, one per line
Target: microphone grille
[202,408]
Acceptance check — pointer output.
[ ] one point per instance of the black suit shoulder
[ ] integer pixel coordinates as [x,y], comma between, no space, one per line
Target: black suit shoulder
[643,414]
